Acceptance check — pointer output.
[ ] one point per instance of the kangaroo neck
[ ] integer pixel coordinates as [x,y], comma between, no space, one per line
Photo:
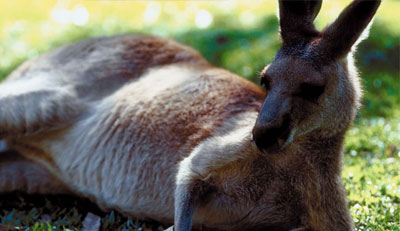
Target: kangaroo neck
[325,154]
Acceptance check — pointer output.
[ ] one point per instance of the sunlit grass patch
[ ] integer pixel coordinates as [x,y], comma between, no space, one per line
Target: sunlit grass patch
[371,174]
[373,188]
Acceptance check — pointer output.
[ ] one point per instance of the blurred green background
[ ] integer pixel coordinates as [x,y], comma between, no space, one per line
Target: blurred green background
[240,36]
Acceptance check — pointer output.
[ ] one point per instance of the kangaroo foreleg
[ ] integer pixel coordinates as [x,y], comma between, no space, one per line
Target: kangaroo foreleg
[194,171]
[184,208]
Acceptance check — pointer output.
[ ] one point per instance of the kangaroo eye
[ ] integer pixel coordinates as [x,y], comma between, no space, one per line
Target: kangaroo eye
[310,91]
[265,82]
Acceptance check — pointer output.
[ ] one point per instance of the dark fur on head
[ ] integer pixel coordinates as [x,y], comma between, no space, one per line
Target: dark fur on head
[312,88]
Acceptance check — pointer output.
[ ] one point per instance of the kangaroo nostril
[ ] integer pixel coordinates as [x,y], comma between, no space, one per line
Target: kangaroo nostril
[271,136]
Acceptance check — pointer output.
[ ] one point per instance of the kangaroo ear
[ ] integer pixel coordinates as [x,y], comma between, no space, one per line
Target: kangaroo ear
[296,20]
[348,29]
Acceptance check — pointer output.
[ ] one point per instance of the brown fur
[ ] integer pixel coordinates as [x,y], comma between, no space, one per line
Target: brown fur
[21,174]
[129,121]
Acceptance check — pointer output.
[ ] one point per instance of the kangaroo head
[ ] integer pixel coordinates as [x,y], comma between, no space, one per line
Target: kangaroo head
[312,85]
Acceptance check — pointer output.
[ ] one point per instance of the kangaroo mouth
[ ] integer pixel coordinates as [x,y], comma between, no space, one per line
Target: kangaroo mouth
[274,140]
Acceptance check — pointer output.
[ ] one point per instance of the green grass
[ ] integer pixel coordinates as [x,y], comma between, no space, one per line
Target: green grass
[371,174]
[372,160]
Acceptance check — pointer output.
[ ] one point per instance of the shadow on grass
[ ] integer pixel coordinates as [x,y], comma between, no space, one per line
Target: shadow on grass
[62,211]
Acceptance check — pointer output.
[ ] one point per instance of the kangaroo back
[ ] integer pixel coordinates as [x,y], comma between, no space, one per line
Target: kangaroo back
[53,89]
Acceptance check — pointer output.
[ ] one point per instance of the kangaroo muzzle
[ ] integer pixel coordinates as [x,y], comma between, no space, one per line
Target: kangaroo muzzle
[273,127]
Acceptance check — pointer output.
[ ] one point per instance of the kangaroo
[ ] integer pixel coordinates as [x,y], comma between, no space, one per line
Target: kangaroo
[148,127]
